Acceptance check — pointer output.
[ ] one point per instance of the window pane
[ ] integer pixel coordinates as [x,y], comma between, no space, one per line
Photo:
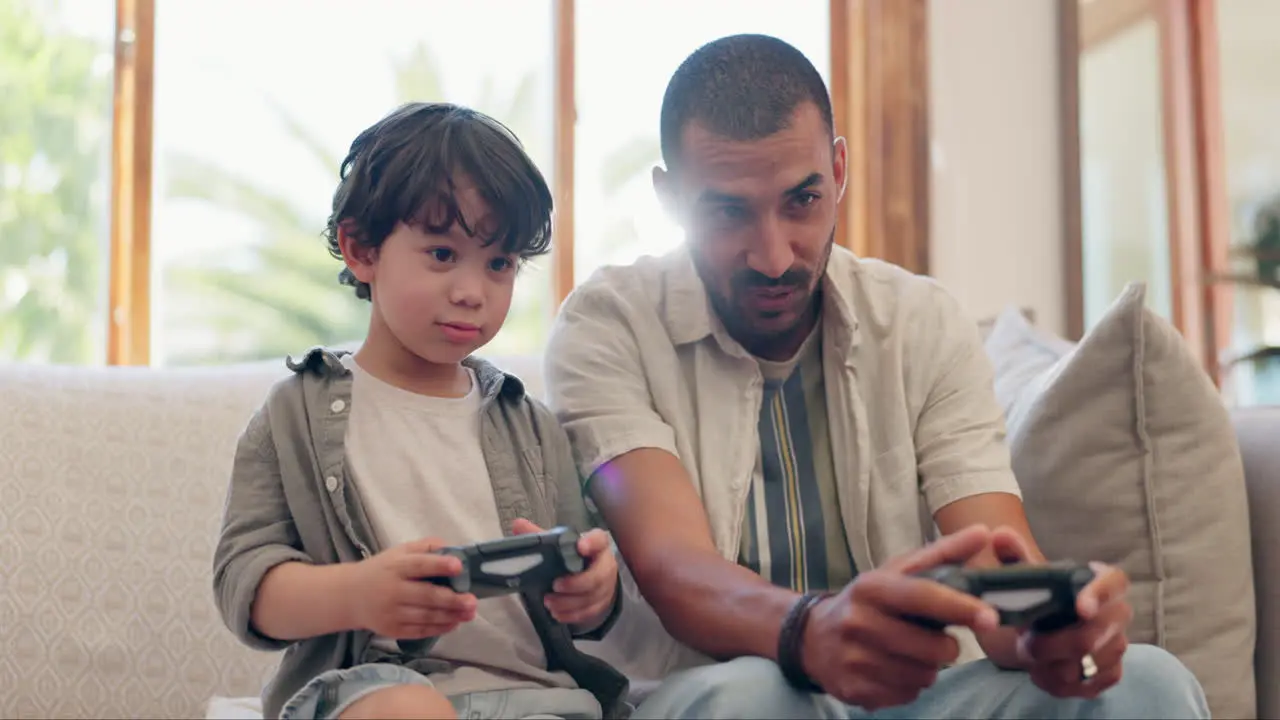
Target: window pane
[626,53]
[55,165]
[1251,114]
[1123,194]
[256,104]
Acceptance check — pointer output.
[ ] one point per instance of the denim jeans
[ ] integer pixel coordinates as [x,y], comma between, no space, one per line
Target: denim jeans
[1154,685]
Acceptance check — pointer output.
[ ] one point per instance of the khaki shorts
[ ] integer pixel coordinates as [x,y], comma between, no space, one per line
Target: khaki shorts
[330,694]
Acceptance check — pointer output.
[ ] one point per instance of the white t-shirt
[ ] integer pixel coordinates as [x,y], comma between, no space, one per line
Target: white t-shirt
[420,472]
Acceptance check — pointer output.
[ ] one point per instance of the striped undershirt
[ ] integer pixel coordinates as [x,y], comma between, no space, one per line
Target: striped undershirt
[793,535]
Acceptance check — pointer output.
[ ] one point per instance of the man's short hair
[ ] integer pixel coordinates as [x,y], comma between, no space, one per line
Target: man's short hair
[404,169]
[742,87]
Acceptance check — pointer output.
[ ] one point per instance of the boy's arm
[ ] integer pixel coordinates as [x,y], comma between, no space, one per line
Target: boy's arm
[572,509]
[264,584]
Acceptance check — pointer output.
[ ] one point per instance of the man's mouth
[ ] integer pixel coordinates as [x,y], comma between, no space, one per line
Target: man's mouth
[772,299]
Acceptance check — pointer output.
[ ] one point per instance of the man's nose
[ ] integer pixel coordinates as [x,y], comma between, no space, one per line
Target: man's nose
[771,254]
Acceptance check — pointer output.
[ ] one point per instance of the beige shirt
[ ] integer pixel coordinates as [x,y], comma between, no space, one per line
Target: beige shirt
[637,359]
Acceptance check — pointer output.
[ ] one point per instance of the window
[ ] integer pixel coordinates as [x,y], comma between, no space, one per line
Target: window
[55,140]
[1251,114]
[616,214]
[248,143]
[166,166]
[1123,193]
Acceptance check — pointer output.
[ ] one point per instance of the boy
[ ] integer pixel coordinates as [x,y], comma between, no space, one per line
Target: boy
[358,466]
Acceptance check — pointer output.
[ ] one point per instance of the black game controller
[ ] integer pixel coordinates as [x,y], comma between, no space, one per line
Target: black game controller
[518,564]
[1040,597]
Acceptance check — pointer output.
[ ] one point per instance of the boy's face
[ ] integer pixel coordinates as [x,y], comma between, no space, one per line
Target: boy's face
[440,296]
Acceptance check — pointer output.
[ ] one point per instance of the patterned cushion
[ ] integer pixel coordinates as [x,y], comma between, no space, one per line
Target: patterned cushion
[112,483]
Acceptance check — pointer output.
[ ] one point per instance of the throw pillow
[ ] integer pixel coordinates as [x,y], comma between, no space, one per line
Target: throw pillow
[1126,454]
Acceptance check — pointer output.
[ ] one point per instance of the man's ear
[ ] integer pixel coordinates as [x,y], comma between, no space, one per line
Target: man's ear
[840,166]
[663,187]
[361,260]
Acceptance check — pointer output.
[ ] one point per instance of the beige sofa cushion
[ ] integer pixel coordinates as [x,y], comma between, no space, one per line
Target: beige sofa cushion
[1126,454]
[111,490]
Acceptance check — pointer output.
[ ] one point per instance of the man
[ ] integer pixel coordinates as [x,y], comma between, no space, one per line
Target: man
[760,415]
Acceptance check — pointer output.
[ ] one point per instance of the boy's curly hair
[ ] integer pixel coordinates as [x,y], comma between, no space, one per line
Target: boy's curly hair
[403,169]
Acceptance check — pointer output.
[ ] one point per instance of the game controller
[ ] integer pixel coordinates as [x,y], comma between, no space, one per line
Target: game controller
[1040,597]
[518,564]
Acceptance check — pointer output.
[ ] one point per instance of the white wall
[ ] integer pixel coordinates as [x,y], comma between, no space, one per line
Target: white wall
[996,226]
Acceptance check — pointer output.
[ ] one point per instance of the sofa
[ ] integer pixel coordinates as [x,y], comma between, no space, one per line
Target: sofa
[111,492]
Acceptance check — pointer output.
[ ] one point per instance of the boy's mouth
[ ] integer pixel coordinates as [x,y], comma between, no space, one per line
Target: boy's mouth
[459,332]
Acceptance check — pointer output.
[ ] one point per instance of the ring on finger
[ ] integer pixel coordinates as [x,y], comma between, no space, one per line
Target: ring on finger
[1088,668]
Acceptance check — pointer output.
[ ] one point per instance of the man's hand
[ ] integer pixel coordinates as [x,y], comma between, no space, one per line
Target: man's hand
[583,599]
[1055,660]
[393,599]
[860,646]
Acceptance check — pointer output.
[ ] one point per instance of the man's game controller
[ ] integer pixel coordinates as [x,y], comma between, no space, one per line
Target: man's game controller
[1040,597]
[518,564]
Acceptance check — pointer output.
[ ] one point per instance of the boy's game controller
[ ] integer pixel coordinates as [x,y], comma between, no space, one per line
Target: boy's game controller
[519,564]
[1040,597]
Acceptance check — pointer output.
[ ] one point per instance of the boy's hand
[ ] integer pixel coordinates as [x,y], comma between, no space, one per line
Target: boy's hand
[586,598]
[391,599]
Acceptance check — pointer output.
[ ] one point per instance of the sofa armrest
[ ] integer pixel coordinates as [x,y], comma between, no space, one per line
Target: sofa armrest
[1258,431]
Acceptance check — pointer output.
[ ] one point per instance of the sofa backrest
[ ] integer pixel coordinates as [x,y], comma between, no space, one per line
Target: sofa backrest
[112,482]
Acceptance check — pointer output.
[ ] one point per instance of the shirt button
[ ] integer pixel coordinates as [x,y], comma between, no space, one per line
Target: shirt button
[331,483]
[337,406]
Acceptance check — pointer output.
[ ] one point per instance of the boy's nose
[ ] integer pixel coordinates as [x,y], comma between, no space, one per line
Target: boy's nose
[466,291]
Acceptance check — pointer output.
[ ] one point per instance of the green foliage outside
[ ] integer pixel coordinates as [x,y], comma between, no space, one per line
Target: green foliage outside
[292,300]
[55,139]
[279,298]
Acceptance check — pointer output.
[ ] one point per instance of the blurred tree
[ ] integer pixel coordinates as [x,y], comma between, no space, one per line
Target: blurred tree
[302,304]
[55,125]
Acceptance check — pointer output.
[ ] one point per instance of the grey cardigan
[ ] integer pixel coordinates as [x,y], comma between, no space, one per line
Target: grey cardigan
[291,498]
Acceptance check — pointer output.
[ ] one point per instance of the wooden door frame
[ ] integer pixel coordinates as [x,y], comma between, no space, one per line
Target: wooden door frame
[1194,160]
[880,98]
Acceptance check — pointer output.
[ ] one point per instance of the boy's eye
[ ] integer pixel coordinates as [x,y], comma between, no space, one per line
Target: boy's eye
[501,264]
[441,254]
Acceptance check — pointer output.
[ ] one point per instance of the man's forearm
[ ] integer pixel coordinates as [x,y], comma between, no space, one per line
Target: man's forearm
[718,608]
[297,600]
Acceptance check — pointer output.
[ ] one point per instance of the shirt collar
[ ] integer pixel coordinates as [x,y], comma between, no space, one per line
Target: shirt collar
[493,381]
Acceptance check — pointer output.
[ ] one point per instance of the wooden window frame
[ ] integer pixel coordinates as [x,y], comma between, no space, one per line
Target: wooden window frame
[129,284]
[880,98]
[1194,160]
[879,91]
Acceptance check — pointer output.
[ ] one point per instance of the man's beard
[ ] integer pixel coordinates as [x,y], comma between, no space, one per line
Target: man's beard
[802,280]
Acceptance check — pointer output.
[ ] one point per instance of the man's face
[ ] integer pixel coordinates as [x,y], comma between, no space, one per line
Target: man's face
[760,217]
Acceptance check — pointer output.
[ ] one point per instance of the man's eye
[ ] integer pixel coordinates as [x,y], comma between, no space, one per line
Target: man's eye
[806,199]
[441,254]
[732,212]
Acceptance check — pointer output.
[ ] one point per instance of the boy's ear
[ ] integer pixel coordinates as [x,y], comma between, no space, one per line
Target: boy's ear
[360,259]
